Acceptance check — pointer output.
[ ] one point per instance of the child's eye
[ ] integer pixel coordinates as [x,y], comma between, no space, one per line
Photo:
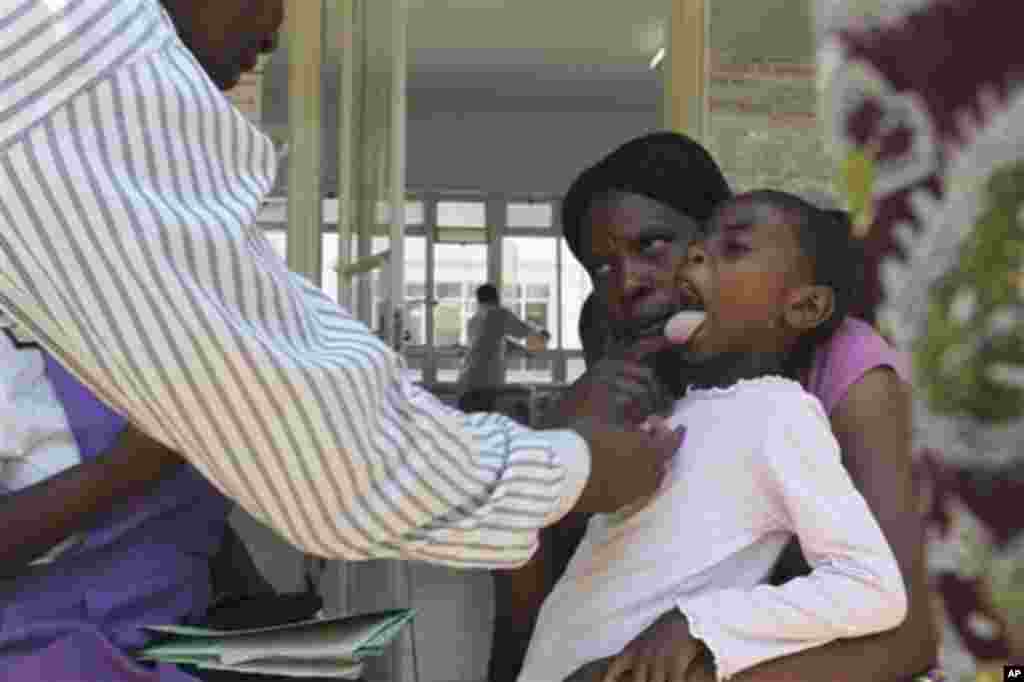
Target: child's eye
[734,248]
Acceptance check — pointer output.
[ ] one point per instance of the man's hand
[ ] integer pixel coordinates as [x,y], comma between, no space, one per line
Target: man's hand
[664,652]
[626,464]
[620,389]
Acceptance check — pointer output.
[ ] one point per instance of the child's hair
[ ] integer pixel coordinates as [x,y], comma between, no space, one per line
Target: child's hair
[827,241]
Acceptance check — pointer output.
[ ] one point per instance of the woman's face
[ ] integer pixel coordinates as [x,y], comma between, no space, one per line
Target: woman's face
[636,247]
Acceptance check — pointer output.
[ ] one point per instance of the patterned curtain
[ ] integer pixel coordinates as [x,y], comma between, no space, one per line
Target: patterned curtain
[924,101]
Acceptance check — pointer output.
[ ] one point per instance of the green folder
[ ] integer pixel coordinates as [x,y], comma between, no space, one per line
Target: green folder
[328,647]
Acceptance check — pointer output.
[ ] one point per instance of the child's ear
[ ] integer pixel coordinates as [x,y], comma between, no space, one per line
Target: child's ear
[809,306]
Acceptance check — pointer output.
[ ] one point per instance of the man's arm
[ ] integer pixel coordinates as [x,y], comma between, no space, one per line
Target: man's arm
[517,328]
[36,518]
[128,193]
[873,427]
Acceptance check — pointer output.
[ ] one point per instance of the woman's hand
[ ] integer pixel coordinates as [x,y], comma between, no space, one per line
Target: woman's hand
[34,523]
[621,389]
[664,652]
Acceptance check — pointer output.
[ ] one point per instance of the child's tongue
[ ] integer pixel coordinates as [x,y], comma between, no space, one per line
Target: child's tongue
[681,326]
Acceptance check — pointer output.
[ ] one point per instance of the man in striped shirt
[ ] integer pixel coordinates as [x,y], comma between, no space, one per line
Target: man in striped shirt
[128,191]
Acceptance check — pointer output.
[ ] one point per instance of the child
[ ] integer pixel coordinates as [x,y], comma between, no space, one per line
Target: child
[757,465]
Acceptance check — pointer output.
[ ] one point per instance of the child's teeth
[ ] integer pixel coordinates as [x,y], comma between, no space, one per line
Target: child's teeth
[681,326]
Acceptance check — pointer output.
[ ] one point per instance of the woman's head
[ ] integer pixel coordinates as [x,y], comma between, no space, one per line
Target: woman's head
[774,274]
[629,219]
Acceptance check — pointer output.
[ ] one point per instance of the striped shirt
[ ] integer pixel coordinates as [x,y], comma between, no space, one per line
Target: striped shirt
[129,188]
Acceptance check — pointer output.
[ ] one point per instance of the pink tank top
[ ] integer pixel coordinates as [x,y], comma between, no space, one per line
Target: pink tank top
[854,350]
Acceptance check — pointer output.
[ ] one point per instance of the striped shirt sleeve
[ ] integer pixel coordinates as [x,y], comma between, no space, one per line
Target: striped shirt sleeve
[128,191]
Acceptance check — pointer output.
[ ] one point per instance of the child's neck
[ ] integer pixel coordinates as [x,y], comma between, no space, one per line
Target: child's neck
[725,369]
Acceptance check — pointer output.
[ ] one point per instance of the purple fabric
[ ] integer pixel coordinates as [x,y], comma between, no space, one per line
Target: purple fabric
[854,350]
[144,563]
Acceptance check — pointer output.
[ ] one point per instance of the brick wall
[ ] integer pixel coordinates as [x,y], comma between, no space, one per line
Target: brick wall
[763,126]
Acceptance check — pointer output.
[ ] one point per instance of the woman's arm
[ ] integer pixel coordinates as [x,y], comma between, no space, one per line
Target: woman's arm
[38,517]
[873,425]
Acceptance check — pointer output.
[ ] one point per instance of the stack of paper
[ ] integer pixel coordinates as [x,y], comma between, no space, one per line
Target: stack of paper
[330,647]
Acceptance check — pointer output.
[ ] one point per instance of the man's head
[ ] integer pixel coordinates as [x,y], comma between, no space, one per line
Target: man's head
[227,36]
[629,219]
[487,294]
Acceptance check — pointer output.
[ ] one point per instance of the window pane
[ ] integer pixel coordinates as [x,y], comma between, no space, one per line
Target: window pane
[414,363]
[528,369]
[538,214]
[415,291]
[461,214]
[528,265]
[574,368]
[279,240]
[576,286]
[413,213]
[458,270]
[448,367]
[537,313]
[541,291]
[449,290]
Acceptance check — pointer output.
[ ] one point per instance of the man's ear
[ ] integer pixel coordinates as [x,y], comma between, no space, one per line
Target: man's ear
[809,306]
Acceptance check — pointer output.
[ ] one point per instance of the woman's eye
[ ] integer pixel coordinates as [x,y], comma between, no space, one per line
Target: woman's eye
[727,248]
[603,270]
[653,247]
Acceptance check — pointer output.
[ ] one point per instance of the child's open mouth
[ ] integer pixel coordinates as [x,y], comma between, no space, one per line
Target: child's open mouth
[683,326]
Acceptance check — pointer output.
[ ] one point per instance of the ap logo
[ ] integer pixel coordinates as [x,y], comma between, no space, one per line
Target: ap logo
[1013,672]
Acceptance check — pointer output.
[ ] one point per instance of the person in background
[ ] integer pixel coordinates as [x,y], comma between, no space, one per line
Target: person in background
[483,373]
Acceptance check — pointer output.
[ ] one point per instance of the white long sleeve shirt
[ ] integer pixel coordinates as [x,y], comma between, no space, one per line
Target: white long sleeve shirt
[758,464]
[129,187]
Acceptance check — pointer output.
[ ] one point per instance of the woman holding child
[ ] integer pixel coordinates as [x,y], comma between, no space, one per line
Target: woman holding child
[630,220]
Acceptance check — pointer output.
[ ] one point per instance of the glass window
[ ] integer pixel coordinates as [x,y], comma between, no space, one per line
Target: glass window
[448,289]
[522,368]
[461,214]
[414,362]
[528,266]
[415,293]
[448,367]
[537,313]
[279,240]
[532,214]
[458,269]
[538,290]
[413,213]
[576,286]
[574,367]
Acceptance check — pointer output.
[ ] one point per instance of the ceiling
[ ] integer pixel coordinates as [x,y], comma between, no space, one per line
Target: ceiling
[572,54]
